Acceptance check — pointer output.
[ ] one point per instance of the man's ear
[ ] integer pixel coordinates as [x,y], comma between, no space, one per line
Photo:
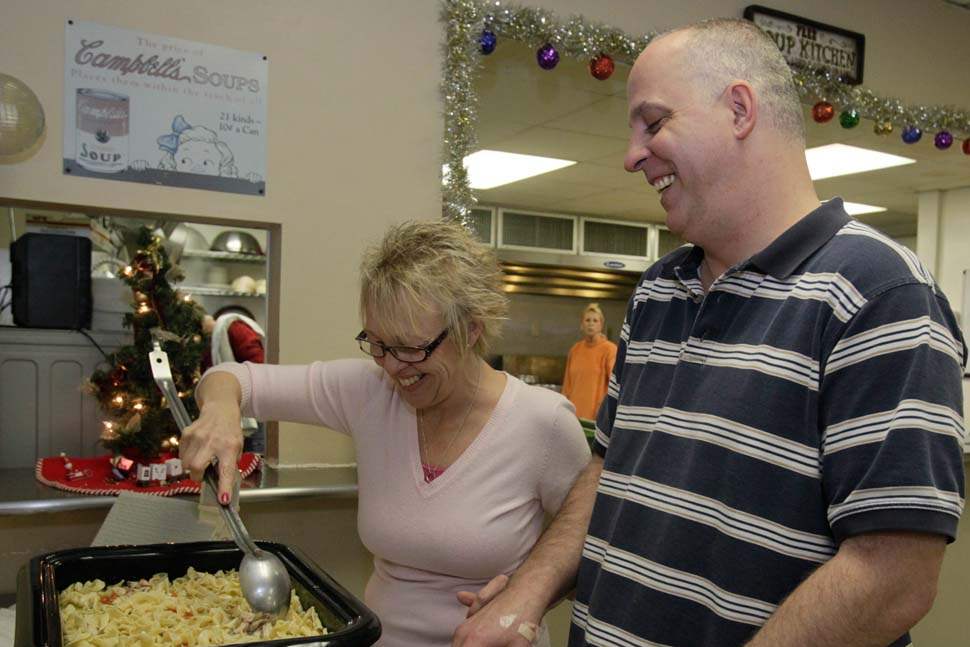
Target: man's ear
[744,107]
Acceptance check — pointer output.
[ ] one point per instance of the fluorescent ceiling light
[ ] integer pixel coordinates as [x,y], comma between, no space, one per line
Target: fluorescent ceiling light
[489,169]
[857,208]
[838,159]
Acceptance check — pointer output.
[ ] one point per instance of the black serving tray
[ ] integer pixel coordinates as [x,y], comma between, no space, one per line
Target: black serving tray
[349,622]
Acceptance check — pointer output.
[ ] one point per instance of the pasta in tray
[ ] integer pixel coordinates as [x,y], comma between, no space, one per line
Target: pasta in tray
[195,610]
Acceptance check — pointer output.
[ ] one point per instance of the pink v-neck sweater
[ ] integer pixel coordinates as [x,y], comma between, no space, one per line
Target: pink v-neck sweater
[430,540]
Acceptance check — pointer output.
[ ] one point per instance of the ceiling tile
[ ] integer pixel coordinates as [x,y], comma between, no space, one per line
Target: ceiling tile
[561,144]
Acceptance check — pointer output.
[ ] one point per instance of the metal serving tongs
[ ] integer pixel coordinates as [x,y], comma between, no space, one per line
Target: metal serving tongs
[263,578]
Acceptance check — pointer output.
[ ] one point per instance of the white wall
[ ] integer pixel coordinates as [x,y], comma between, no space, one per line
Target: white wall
[954,245]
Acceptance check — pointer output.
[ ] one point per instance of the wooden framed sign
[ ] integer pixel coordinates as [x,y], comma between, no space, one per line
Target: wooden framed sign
[810,44]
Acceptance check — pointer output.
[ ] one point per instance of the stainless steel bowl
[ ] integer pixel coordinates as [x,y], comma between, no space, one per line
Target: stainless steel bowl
[237,242]
[194,239]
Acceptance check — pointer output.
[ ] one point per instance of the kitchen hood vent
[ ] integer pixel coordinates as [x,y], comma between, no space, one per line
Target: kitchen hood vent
[568,255]
[613,238]
[537,231]
[523,278]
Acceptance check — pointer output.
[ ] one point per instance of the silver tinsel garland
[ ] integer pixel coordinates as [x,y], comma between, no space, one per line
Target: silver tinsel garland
[582,39]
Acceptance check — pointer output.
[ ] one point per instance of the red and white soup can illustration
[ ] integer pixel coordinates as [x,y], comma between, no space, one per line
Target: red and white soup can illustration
[102,130]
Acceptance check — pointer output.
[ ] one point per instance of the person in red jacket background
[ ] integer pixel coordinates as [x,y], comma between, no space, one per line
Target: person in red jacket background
[236,337]
[589,364]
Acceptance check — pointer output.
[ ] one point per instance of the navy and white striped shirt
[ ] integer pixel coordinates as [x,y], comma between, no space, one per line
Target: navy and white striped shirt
[813,394]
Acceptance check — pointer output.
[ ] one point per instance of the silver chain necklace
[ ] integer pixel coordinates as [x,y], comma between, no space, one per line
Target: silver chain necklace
[454,436]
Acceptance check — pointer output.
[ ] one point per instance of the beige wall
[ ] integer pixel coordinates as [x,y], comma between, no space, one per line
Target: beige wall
[353,141]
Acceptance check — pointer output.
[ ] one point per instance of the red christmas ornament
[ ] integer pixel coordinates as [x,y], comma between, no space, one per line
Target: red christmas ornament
[143,263]
[601,67]
[118,376]
[823,112]
[966,146]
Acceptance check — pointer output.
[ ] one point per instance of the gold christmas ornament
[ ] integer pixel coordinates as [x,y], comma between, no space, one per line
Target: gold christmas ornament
[21,116]
[883,127]
[133,425]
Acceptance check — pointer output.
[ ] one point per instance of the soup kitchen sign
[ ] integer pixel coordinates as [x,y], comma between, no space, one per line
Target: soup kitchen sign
[808,44]
[159,110]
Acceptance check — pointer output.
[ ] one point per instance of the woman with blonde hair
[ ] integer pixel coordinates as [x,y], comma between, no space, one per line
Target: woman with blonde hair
[457,463]
[589,364]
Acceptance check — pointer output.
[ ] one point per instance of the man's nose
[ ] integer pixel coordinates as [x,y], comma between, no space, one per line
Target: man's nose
[636,154]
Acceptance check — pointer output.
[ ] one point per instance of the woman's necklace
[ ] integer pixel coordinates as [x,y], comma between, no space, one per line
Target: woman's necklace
[429,467]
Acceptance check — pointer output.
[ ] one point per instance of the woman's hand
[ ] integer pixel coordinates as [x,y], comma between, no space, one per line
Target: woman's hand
[475,601]
[496,619]
[216,434]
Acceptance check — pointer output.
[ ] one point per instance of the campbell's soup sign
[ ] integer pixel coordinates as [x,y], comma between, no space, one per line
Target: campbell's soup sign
[160,110]
[102,130]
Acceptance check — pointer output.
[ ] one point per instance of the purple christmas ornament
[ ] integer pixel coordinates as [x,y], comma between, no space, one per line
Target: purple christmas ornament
[487,41]
[911,134]
[943,140]
[547,57]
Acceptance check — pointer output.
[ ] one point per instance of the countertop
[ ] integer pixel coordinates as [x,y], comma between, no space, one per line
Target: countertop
[21,493]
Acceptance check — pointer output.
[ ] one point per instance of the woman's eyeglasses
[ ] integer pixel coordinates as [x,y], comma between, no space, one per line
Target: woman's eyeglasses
[407,354]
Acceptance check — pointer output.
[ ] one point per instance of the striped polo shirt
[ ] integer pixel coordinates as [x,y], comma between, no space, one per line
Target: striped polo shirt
[814,393]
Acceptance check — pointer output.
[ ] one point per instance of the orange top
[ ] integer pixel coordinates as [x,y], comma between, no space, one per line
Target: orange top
[588,369]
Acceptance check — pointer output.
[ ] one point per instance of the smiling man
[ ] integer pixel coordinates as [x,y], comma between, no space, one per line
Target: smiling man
[781,441]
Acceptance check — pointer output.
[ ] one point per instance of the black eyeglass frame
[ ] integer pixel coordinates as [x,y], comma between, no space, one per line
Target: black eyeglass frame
[427,349]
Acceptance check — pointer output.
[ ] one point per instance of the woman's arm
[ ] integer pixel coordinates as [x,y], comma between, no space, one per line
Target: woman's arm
[567,381]
[217,433]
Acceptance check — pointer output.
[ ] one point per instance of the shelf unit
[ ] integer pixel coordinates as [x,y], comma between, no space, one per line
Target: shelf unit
[224,256]
[209,291]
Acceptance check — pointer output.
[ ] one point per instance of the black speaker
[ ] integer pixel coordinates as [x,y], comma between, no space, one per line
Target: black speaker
[51,281]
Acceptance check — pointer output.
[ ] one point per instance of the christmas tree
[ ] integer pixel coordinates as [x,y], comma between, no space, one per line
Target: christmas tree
[137,421]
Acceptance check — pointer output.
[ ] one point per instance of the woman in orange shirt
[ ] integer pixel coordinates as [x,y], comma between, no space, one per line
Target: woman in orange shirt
[589,365]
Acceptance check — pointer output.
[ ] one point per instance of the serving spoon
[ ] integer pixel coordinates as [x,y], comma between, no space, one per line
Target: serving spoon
[263,579]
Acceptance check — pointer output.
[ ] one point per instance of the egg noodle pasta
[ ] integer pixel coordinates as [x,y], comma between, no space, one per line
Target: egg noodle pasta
[195,610]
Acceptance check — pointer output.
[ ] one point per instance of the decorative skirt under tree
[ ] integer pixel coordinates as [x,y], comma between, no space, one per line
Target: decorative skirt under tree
[136,418]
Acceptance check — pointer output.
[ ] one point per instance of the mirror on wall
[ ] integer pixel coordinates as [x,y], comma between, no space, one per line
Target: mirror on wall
[565,113]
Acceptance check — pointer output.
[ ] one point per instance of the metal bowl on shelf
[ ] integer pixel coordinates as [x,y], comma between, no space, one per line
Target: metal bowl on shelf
[236,242]
[194,239]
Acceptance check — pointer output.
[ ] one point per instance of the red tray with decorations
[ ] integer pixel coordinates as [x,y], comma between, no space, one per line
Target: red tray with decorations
[98,475]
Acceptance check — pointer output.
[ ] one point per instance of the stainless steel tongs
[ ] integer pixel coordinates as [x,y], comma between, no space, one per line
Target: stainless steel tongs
[263,578]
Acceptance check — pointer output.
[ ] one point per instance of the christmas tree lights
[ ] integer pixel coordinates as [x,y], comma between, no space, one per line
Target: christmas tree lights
[136,419]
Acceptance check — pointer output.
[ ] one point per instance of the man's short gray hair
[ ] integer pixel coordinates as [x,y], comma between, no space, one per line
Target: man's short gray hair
[723,49]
